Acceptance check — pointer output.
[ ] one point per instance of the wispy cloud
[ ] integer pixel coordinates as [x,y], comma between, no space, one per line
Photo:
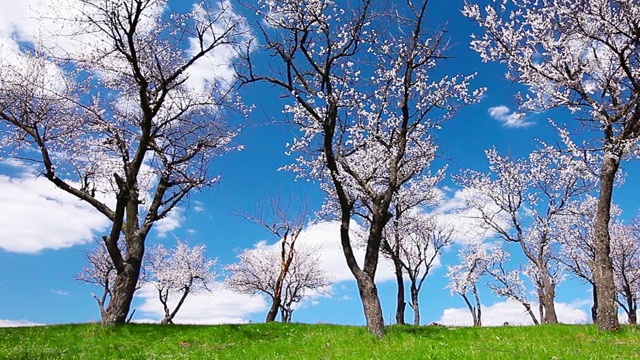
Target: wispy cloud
[508,118]
[60,292]
[199,206]
[17,323]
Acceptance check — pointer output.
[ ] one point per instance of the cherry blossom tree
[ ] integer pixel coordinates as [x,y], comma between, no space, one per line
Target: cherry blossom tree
[508,283]
[414,243]
[464,277]
[625,253]
[184,270]
[286,272]
[101,272]
[113,107]
[582,56]
[521,201]
[366,92]
[577,248]
[260,271]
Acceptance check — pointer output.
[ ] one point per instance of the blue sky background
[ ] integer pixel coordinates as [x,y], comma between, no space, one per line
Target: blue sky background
[39,287]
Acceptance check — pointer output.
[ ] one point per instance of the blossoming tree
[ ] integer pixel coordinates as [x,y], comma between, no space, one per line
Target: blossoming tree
[112,108]
[366,97]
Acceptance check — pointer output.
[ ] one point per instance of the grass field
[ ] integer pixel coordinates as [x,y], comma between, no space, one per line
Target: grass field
[320,341]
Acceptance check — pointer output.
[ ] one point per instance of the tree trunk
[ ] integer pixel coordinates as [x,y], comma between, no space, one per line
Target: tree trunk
[471,308]
[124,286]
[371,304]
[479,307]
[273,311]
[607,310]
[594,307]
[415,304]
[527,307]
[633,317]
[401,304]
[547,300]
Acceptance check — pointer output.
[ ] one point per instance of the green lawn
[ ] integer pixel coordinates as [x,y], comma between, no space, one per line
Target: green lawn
[303,341]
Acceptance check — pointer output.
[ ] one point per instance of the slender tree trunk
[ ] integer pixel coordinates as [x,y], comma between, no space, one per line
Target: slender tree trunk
[478,307]
[472,309]
[607,310]
[631,308]
[415,305]
[633,317]
[400,304]
[594,307]
[527,307]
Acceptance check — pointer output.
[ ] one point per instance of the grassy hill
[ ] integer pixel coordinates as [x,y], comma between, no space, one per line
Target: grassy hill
[320,341]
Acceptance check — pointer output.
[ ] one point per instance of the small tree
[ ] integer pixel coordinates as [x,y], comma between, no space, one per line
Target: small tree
[625,254]
[260,271]
[100,272]
[184,270]
[464,277]
[581,55]
[508,283]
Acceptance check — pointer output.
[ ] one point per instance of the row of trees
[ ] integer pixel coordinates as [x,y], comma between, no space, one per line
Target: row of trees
[119,114]
[542,206]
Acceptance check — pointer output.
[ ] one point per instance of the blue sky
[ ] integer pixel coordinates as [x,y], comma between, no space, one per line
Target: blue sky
[43,232]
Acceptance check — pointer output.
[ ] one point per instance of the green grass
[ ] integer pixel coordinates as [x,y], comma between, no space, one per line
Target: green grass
[304,341]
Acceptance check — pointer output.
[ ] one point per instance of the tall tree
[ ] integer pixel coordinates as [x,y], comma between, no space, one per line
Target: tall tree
[367,94]
[184,270]
[521,201]
[584,56]
[113,111]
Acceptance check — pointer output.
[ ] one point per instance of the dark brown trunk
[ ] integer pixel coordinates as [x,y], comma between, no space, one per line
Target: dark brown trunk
[400,304]
[607,310]
[273,311]
[594,307]
[124,286]
[547,299]
[527,307]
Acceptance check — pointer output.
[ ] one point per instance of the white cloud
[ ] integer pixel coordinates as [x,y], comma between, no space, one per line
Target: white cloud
[511,312]
[220,306]
[172,221]
[508,118]
[35,215]
[465,222]
[60,292]
[326,237]
[17,323]
[199,206]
